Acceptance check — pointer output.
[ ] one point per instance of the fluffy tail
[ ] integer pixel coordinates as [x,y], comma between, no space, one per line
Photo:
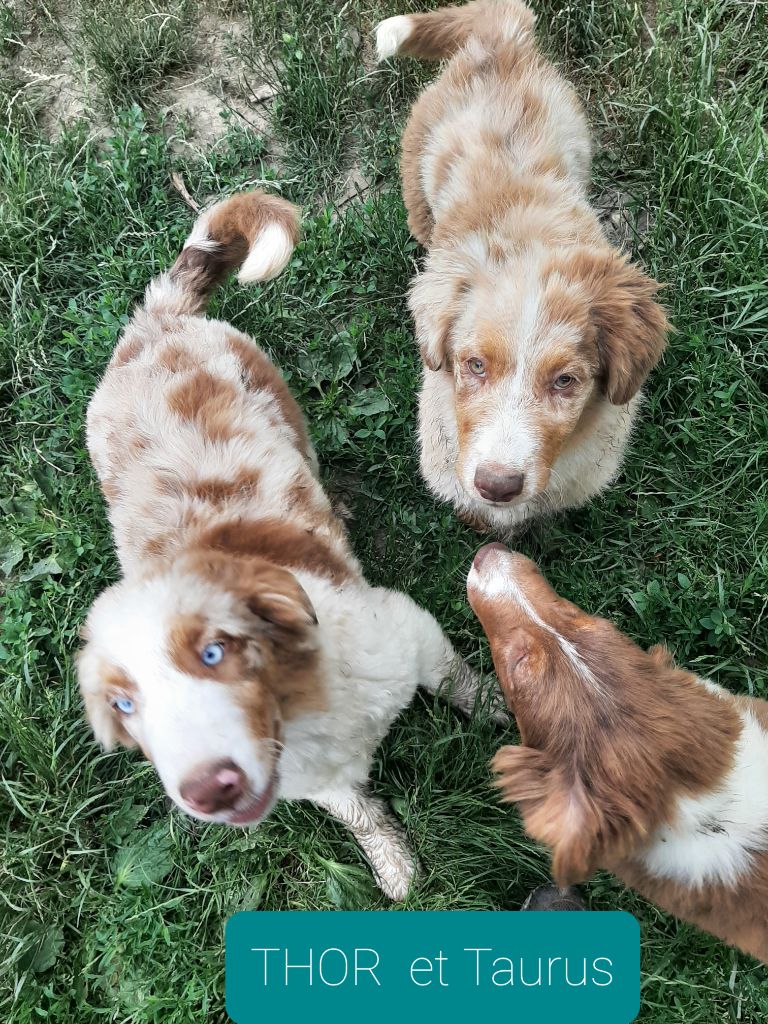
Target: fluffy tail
[252,231]
[438,34]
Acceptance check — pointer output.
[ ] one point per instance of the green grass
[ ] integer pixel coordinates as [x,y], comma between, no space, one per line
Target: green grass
[135,45]
[112,908]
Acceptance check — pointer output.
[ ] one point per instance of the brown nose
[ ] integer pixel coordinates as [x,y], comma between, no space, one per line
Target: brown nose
[485,550]
[497,483]
[214,787]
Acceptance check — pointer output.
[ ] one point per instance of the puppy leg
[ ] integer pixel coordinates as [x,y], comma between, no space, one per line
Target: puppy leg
[418,653]
[380,836]
[444,672]
[464,688]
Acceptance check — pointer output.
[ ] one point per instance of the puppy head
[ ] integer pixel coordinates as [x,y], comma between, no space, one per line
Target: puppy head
[200,667]
[592,775]
[534,345]
[533,633]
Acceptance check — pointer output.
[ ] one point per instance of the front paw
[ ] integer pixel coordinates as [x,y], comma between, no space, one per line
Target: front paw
[396,872]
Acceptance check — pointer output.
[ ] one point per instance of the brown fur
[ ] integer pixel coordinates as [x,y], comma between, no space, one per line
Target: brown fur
[207,401]
[284,544]
[600,767]
[239,218]
[631,326]
[202,451]
[259,374]
[217,490]
[174,357]
[239,669]
[421,223]
[127,351]
[200,271]
[439,34]
[495,166]
[116,683]
[735,914]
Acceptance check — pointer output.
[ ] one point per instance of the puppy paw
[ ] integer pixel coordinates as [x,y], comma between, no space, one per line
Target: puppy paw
[397,872]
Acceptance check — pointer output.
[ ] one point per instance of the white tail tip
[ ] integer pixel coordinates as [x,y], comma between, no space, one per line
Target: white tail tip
[268,255]
[391,34]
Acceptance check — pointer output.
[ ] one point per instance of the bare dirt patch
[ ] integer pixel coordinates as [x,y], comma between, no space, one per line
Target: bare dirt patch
[45,63]
[219,88]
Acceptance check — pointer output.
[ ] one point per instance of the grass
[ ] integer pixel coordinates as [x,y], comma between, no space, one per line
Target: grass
[135,44]
[112,908]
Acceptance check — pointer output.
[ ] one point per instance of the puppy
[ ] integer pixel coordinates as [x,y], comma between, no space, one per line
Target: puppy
[627,762]
[536,335]
[242,651]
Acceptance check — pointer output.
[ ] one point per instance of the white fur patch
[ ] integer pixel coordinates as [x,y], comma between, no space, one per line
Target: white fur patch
[391,34]
[507,438]
[199,237]
[268,255]
[716,835]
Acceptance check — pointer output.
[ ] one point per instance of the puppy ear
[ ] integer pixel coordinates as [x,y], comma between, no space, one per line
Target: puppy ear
[631,326]
[92,677]
[556,811]
[577,843]
[435,302]
[277,597]
[523,774]
[518,661]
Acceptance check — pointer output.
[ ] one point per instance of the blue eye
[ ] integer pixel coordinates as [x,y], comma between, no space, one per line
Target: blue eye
[212,654]
[125,705]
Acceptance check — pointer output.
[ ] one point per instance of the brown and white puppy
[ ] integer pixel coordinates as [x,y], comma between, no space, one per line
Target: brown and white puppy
[536,335]
[242,651]
[627,762]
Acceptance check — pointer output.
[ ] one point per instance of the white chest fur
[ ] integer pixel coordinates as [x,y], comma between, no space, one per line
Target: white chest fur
[715,836]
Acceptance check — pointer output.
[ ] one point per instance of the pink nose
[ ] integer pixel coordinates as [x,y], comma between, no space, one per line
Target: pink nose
[497,483]
[214,787]
[484,551]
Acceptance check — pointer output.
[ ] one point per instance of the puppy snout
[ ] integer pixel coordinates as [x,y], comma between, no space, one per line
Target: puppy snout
[498,483]
[214,787]
[486,550]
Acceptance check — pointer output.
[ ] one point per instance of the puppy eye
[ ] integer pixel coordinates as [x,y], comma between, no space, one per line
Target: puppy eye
[565,380]
[124,705]
[212,654]
[476,367]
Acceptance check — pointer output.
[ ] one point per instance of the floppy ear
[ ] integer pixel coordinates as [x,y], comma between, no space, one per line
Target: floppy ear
[91,676]
[556,811]
[519,659]
[523,774]
[277,597]
[631,326]
[578,842]
[435,302]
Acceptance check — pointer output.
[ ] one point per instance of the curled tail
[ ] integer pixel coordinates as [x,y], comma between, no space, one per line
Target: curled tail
[253,232]
[438,34]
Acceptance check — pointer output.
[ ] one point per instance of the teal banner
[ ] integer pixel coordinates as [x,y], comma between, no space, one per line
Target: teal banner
[336,965]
